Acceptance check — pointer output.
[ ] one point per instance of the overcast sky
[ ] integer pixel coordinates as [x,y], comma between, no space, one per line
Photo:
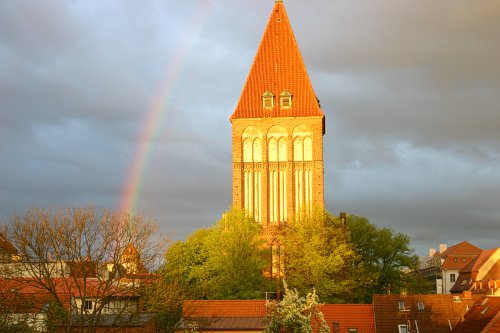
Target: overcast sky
[410,89]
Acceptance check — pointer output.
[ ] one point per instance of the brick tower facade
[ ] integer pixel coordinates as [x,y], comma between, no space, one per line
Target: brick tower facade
[277,131]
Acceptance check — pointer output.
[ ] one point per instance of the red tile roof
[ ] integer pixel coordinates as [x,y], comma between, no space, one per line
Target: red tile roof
[488,262]
[247,315]
[493,326]
[439,311]
[358,316]
[462,248]
[277,66]
[479,315]
[224,308]
[454,256]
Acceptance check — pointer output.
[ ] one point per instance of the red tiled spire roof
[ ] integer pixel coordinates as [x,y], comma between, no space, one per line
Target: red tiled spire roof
[277,67]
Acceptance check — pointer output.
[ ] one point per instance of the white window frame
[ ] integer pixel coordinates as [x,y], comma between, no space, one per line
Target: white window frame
[403,328]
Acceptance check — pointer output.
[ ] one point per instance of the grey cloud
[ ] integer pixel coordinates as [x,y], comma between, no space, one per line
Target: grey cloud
[409,91]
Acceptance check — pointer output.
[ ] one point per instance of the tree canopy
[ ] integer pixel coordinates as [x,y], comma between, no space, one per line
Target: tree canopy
[318,255]
[224,261]
[384,258]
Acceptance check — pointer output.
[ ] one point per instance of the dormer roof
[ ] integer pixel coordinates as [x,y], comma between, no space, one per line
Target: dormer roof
[278,67]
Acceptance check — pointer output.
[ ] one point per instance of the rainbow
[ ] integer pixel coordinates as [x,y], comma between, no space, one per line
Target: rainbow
[157,113]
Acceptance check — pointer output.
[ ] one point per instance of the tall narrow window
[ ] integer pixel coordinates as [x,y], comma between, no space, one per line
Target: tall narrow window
[285,99]
[278,171]
[268,100]
[252,156]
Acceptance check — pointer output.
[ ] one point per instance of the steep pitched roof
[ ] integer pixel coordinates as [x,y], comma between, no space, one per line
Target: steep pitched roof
[480,315]
[277,66]
[458,256]
[462,248]
[487,261]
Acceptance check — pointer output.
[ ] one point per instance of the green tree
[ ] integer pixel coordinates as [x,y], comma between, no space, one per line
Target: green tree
[225,261]
[318,255]
[237,257]
[294,314]
[384,257]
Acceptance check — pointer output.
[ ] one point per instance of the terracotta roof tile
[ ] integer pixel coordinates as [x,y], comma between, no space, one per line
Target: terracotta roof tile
[224,308]
[358,316]
[277,66]
[228,314]
[479,315]
[437,313]
[462,248]
[493,326]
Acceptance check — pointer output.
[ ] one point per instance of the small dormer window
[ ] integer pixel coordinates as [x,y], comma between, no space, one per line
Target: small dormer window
[285,99]
[268,100]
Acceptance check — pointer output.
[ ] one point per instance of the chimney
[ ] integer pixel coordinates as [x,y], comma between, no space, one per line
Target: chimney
[343,217]
[442,247]
[432,252]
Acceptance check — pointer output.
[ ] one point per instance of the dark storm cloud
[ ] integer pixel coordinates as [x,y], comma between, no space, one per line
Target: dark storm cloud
[410,92]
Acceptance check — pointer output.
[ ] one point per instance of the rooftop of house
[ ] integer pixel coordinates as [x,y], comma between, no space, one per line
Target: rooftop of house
[462,248]
[485,267]
[278,70]
[243,315]
[482,314]
[431,313]
[359,316]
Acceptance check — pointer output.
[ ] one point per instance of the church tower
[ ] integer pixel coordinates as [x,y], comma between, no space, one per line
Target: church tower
[277,131]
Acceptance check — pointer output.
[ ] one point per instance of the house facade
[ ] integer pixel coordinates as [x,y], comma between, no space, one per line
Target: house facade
[481,276]
[442,267]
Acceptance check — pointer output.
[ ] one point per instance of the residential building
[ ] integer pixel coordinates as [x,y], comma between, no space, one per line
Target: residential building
[103,295]
[442,267]
[248,316]
[482,275]
[419,313]
[277,132]
[483,317]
